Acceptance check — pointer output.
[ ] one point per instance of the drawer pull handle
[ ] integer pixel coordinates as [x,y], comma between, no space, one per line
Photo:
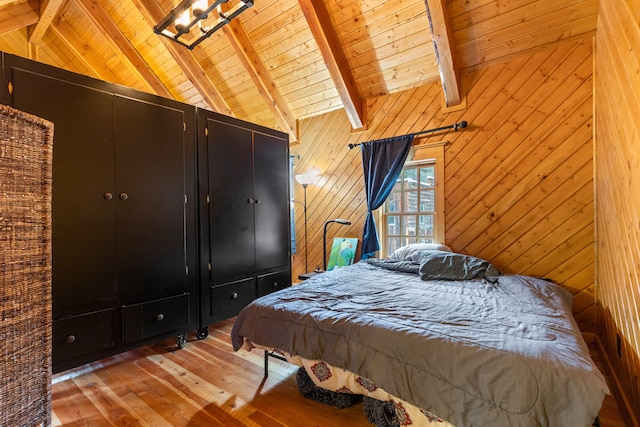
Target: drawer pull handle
[70,338]
[234,295]
[160,317]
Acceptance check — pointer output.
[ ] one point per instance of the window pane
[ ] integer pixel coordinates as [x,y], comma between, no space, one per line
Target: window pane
[410,179]
[409,225]
[393,225]
[426,225]
[427,177]
[393,243]
[398,185]
[410,201]
[427,202]
[409,211]
[393,203]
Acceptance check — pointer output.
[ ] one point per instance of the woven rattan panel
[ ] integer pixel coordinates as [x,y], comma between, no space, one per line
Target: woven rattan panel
[26,144]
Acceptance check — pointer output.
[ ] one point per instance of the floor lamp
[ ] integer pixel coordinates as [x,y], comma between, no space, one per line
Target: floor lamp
[305,179]
[324,238]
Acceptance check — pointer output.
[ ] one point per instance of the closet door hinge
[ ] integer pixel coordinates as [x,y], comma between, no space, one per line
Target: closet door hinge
[10,87]
[184,126]
[186,199]
[208,199]
[206,131]
[209,266]
[186,269]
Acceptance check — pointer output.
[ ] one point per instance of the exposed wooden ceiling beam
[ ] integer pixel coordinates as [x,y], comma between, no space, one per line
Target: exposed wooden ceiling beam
[323,32]
[443,41]
[48,10]
[65,32]
[258,72]
[18,16]
[185,59]
[119,42]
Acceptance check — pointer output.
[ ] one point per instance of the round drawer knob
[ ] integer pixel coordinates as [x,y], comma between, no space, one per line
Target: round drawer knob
[124,196]
[275,284]
[160,317]
[70,338]
[249,200]
[108,196]
[234,295]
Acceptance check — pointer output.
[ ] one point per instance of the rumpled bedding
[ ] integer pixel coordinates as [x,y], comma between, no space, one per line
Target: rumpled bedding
[473,352]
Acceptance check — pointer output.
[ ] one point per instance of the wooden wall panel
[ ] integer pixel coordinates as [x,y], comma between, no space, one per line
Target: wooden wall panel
[618,193]
[518,180]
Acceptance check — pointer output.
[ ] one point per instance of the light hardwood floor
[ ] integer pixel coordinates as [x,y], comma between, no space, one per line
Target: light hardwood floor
[203,384]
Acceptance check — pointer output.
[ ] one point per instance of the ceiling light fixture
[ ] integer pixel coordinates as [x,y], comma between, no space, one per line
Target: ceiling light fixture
[191,12]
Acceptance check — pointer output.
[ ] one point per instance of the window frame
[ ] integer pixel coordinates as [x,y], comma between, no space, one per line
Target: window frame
[425,155]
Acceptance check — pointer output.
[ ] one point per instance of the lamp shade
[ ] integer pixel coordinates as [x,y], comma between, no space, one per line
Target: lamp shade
[308,178]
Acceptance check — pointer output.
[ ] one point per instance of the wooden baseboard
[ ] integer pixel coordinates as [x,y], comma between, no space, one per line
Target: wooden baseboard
[616,388]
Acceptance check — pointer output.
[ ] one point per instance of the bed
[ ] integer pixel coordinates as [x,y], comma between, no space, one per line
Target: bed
[444,336]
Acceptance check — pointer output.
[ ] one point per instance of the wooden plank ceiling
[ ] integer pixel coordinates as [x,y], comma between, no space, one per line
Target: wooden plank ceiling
[285,60]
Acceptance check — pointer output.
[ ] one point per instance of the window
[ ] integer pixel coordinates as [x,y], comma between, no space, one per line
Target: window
[413,211]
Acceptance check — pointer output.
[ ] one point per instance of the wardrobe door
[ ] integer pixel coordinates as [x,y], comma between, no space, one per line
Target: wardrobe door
[231,221]
[83,202]
[271,177]
[150,197]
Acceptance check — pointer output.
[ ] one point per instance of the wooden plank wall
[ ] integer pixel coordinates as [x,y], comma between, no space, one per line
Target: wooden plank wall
[519,181]
[618,192]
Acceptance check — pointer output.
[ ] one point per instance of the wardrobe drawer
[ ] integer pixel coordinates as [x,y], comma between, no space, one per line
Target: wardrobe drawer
[82,334]
[229,298]
[272,282]
[154,317]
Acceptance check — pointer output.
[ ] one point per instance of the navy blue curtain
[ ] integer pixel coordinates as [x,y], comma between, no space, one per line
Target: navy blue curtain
[382,162]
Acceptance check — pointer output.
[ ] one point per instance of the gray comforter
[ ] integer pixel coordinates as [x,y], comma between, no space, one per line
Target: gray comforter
[472,352]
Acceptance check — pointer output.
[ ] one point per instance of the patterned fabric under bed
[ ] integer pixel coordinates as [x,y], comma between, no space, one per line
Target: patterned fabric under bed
[340,380]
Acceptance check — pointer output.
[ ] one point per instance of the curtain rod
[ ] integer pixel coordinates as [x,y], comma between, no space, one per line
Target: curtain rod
[463,124]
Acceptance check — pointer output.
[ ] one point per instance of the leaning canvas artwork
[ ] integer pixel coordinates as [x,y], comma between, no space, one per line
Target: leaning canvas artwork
[343,252]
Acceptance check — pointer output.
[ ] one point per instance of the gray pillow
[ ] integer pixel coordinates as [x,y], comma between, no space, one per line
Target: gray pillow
[440,265]
[411,252]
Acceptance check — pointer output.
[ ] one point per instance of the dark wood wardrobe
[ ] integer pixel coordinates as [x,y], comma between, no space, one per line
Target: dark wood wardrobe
[244,222]
[128,236]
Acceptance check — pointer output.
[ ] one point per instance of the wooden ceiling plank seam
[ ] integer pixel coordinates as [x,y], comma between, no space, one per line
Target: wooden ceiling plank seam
[477,37]
[529,14]
[326,38]
[82,51]
[264,18]
[237,35]
[18,16]
[112,33]
[392,42]
[152,13]
[490,11]
[407,18]
[48,10]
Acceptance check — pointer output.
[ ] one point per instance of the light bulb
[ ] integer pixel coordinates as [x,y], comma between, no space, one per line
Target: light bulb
[198,8]
[183,21]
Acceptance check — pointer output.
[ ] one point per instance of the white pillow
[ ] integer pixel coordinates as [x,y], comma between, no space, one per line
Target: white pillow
[412,252]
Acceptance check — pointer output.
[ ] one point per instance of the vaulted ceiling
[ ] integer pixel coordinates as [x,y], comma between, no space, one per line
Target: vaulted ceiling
[285,60]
